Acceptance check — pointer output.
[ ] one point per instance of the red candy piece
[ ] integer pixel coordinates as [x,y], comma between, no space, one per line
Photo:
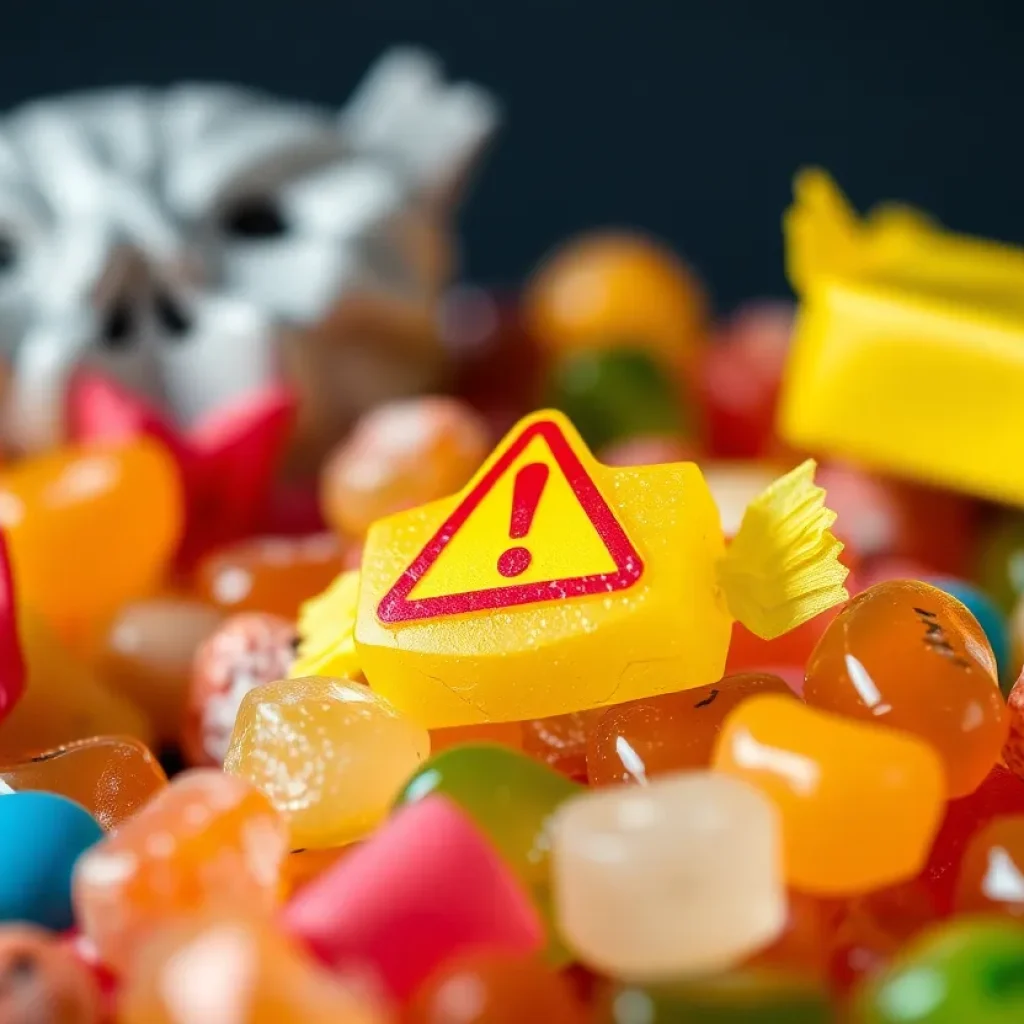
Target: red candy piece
[1013,749]
[227,460]
[424,888]
[12,664]
[1000,793]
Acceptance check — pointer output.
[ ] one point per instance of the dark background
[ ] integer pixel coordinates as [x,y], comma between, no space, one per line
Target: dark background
[684,119]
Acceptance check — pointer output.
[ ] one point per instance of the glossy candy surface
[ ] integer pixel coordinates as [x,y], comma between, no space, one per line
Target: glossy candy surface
[269,574]
[207,841]
[42,982]
[560,741]
[236,970]
[615,394]
[990,617]
[423,889]
[248,650]
[494,988]
[42,835]
[399,456]
[907,655]
[147,655]
[1013,749]
[991,876]
[90,528]
[329,754]
[681,876]
[967,970]
[837,784]
[646,738]
[112,777]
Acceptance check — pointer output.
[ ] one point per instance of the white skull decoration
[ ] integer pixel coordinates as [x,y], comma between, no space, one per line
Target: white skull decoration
[200,242]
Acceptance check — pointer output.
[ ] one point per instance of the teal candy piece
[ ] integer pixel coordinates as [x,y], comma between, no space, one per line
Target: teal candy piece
[615,394]
[745,996]
[990,617]
[41,837]
[969,971]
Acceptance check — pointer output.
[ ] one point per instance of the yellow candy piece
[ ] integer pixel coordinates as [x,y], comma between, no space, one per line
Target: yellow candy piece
[327,630]
[331,755]
[552,584]
[900,322]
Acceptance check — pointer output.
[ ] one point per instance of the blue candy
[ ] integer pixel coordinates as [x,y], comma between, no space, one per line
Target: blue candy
[41,837]
[990,617]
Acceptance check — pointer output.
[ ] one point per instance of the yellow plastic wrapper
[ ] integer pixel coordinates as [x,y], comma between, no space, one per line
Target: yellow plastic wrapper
[554,584]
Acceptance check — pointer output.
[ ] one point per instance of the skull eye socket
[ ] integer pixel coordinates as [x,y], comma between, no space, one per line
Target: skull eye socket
[8,253]
[255,217]
[118,328]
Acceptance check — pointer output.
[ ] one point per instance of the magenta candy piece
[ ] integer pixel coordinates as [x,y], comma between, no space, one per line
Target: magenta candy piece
[12,665]
[425,887]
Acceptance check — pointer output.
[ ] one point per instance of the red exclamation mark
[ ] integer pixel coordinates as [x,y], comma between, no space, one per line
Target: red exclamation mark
[529,486]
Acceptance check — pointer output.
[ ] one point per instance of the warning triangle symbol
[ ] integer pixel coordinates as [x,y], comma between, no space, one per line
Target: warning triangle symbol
[532,528]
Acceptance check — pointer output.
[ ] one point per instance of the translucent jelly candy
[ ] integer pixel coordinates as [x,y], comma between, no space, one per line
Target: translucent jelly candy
[63,701]
[610,289]
[42,982]
[508,734]
[989,615]
[398,456]
[801,947]
[1013,749]
[907,655]
[506,990]
[110,776]
[744,996]
[423,889]
[508,796]
[966,971]
[1001,793]
[248,650]
[681,876]
[646,738]
[838,785]
[269,574]
[42,835]
[90,528]
[235,970]
[991,878]
[330,754]
[206,842]
[872,928]
[560,741]
[147,655]
[614,394]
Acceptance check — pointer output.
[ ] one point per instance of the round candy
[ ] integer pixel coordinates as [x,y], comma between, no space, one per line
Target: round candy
[560,741]
[42,835]
[645,738]
[615,394]
[990,616]
[90,528]
[608,289]
[398,456]
[966,972]
[991,876]
[247,651]
[907,655]
[330,754]
[43,982]
[269,574]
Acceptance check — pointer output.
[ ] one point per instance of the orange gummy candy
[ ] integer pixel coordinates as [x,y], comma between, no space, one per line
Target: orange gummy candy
[859,804]
[269,574]
[89,528]
[991,877]
[208,841]
[646,738]
[237,970]
[907,655]
[112,777]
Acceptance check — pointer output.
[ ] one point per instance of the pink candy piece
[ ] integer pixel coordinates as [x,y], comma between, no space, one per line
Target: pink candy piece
[424,888]
[12,665]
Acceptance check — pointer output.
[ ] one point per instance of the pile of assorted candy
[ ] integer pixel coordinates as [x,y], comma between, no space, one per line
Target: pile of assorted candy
[832,831]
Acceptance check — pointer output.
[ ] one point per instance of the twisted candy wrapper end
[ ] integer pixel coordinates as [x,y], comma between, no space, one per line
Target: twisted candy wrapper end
[327,623]
[782,568]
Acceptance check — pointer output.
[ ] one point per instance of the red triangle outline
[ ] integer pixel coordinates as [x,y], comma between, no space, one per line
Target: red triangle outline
[395,606]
